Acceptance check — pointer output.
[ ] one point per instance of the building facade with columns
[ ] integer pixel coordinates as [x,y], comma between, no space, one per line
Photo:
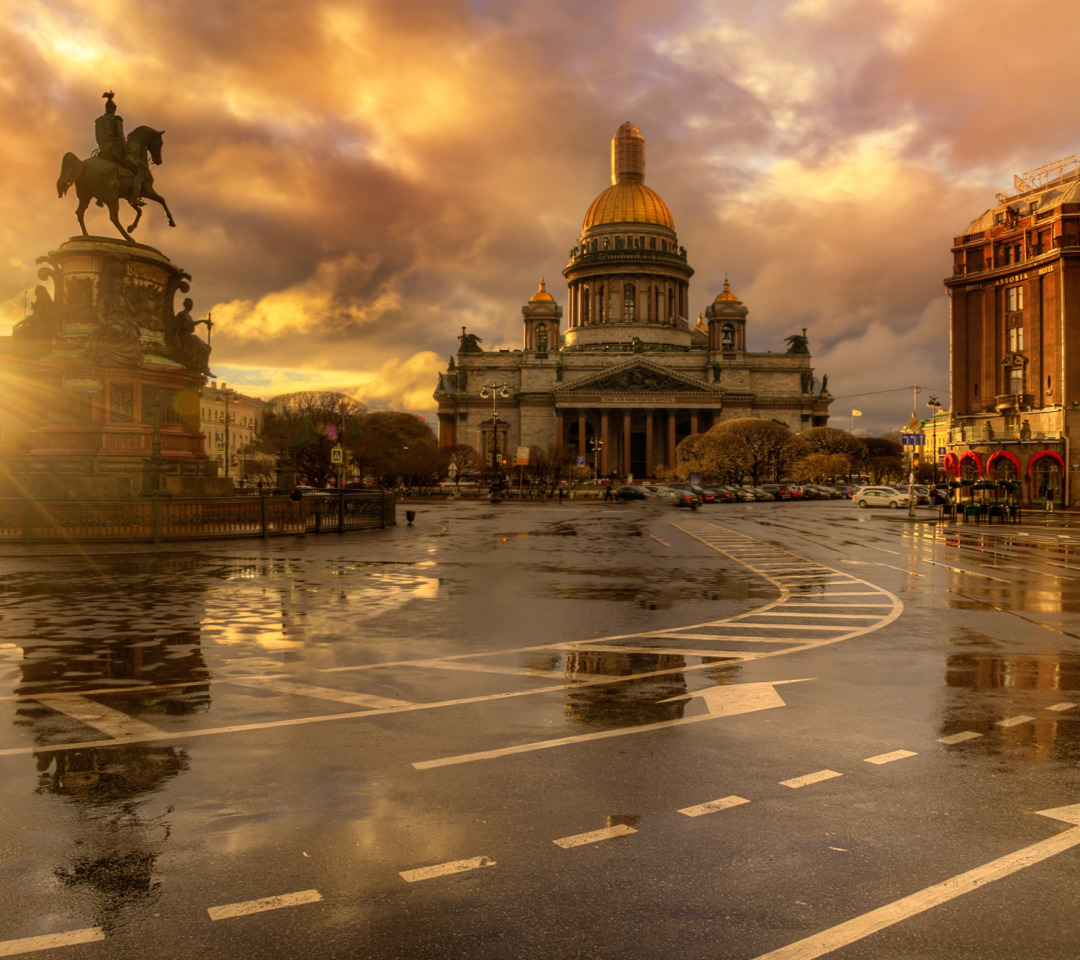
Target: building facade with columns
[1015,323]
[622,376]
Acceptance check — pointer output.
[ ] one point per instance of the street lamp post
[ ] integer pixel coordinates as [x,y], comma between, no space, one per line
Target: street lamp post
[596,444]
[935,407]
[495,391]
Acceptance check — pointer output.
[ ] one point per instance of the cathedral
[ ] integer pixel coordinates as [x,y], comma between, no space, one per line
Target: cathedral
[622,375]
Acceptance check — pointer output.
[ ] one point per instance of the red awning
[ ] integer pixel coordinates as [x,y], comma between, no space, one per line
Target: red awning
[1046,453]
[1007,455]
[972,455]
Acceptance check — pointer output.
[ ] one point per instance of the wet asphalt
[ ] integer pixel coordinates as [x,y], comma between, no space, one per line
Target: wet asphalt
[568,731]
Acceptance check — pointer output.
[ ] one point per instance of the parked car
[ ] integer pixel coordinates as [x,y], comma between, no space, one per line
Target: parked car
[632,491]
[679,497]
[779,491]
[795,490]
[760,493]
[721,494]
[821,492]
[693,488]
[846,489]
[880,497]
[744,494]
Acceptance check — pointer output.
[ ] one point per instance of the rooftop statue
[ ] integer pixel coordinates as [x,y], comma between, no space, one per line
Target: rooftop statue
[118,170]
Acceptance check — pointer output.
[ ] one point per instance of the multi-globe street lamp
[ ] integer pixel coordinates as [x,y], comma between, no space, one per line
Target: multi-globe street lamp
[935,408]
[495,391]
[596,444]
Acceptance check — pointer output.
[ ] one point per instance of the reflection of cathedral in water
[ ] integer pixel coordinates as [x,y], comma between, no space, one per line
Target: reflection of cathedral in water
[630,702]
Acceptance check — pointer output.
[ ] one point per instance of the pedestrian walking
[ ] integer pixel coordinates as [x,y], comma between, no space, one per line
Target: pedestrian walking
[562,493]
[1049,499]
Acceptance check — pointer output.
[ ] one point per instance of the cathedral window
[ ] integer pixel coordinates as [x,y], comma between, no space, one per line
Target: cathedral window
[727,336]
[629,295]
[607,242]
[542,338]
[652,243]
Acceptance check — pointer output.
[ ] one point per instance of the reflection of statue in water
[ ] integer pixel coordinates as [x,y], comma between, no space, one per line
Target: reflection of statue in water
[120,171]
[191,350]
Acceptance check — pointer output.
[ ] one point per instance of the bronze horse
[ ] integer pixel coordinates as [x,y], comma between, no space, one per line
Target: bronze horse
[108,182]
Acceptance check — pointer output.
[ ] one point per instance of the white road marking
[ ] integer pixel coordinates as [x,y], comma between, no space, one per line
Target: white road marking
[890,757]
[713,806]
[857,928]
[446,869]
[1014,721]
[114,723]
[720,701]
[296,689]
[809,779]
[229,910]
[959,737]
[595,836]
[11,948]
[1060,707]
[663,543]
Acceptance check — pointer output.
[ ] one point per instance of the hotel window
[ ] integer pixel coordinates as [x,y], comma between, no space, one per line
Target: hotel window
[1014,298]
[1016,339]
[1016,381]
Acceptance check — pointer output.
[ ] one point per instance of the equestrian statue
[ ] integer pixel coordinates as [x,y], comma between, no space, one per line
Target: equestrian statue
[118,170]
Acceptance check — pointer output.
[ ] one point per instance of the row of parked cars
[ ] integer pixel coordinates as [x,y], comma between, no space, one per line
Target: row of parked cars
[693,496]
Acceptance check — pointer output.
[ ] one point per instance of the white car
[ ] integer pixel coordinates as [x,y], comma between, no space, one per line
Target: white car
[879,497]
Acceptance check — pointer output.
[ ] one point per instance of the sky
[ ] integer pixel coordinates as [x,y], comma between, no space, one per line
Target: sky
[355,181]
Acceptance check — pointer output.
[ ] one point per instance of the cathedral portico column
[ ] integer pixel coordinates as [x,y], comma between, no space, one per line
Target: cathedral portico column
[626,443]
[649,443]
[581,445]
[559,427]
[669,452]
[604,442]
[694,422]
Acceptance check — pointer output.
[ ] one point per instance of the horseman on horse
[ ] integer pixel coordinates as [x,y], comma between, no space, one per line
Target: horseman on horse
[109,133]
[119,171]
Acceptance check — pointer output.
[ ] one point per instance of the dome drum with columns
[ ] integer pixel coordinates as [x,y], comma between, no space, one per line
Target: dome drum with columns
[631,375]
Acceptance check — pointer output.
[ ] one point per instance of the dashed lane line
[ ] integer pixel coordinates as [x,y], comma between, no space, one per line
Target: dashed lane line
[50,941]
[245,908]
[595,836]
[959,737]
[1014,721]
[796,782]
[446,869]
[891,757]
[1061,706]
[713,806]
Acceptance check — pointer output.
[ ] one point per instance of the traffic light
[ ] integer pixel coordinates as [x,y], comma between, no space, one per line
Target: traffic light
[914,459]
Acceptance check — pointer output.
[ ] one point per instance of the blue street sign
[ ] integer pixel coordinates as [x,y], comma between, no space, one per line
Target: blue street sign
[913,439]
[941,451]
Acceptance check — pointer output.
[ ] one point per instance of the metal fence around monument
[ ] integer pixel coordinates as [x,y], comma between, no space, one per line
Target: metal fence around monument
[158,519]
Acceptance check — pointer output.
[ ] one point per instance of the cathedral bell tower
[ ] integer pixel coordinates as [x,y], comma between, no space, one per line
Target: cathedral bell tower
[542,316]
[726,317]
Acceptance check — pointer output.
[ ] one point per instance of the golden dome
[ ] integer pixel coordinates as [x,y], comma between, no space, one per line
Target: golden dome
[628,202]
[541,294]
[726,295]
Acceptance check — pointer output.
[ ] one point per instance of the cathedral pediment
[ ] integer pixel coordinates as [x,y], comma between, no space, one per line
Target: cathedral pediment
[638,377]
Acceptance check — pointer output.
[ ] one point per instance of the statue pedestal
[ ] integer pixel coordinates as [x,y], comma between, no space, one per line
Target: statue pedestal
[91,364]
